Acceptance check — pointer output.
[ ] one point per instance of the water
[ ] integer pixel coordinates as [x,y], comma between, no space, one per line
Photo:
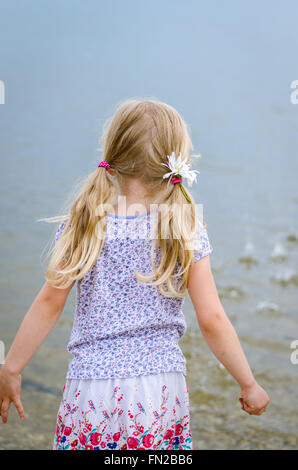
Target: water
[227,67]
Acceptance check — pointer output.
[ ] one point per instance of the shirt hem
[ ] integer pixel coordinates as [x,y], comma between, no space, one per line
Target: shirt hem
[83,376]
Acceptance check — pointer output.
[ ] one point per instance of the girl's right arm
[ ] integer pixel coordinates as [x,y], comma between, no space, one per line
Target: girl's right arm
[37,324]
[221,337]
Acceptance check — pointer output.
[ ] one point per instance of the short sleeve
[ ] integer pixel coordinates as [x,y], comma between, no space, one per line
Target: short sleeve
[60,230]
[202,245]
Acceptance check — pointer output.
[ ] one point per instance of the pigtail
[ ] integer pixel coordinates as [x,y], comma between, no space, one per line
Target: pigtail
[173,240]
[83,235]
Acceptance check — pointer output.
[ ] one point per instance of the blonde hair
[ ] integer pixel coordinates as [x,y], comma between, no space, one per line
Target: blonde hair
[136,140]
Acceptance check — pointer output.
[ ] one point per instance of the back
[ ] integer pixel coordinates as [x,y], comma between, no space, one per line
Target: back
[124,327]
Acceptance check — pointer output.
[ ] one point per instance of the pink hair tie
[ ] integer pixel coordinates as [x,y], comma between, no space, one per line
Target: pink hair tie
[176,180]
[105,164]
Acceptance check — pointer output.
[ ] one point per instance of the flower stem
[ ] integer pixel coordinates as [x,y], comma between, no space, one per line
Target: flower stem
[184,193]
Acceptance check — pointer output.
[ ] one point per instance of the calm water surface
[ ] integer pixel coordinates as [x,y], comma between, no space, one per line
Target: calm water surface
[227,68]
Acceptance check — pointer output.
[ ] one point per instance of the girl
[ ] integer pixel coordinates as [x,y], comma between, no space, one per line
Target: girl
[134,259]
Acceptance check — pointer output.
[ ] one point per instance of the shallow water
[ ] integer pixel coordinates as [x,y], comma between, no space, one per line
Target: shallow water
[227,68]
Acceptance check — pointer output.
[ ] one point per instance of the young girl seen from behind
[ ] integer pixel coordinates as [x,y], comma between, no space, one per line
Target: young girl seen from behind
[135,245]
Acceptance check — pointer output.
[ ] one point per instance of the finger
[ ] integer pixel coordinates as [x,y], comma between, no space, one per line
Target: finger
[263,410]
[249,410]
[4,410]
[256,412]
[247,407]
[18,404]
[241,402]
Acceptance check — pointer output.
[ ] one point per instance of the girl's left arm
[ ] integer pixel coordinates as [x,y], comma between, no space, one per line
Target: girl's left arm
[37,324]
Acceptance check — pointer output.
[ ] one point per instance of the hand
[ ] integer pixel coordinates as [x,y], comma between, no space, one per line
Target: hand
[254,400]
[10,391]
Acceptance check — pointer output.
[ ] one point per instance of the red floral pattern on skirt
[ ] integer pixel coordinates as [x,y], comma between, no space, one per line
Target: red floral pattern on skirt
[135,413]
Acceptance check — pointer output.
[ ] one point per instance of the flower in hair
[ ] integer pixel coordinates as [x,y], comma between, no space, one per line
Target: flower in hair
[180,168]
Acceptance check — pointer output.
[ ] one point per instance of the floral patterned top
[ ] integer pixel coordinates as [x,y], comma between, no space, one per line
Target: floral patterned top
[122,326]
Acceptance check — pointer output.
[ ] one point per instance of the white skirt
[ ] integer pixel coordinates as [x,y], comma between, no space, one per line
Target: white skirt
[135,413]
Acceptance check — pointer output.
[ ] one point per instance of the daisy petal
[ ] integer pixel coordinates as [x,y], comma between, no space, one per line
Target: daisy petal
[166,175]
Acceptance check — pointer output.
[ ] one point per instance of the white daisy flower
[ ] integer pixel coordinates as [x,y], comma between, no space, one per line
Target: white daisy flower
[178,166]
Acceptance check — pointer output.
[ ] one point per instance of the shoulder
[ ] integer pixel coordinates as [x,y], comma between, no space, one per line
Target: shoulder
[61,227]
[202,245]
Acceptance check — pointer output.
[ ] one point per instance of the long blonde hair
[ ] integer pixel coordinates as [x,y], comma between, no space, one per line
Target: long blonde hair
[136,140]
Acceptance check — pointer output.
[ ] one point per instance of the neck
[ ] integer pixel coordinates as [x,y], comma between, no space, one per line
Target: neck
[132,193]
